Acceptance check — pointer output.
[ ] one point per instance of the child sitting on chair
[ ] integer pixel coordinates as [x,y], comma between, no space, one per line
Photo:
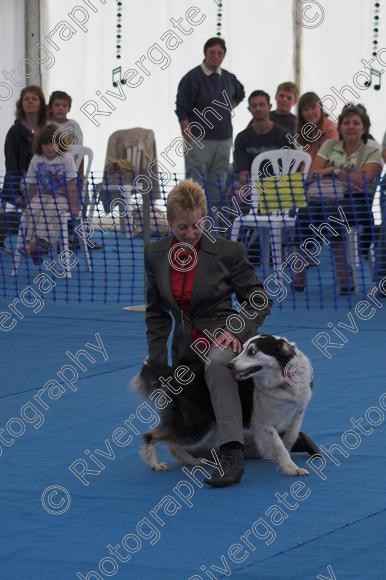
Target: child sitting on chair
[52,191]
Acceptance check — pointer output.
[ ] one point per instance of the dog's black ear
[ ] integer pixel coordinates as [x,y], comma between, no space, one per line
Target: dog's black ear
[286,348]
[286,352]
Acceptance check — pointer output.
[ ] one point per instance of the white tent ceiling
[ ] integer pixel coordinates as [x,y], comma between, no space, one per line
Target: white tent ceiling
[259,36]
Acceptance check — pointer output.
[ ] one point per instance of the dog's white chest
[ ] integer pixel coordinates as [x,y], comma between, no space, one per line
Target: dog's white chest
[275,408]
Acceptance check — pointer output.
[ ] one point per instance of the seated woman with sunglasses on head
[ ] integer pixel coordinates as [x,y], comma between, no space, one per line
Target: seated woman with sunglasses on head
[346,173]
[52,191]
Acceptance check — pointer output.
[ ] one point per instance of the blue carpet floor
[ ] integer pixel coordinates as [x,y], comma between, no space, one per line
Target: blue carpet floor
[57,525]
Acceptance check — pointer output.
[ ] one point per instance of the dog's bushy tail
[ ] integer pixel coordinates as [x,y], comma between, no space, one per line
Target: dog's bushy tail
[148,378]
[140,386]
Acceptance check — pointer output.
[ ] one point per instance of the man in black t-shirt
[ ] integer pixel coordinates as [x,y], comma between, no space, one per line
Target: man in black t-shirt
[261,135]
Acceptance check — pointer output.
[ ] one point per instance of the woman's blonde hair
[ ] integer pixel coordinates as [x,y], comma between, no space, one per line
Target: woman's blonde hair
[187,196]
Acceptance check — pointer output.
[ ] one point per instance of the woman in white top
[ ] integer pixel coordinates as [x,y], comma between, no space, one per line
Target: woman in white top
[355,165]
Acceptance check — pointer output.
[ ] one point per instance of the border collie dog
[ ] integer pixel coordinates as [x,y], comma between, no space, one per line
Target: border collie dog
[275,386]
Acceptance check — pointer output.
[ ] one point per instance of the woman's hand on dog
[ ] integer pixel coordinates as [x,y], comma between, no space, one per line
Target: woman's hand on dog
[227,339]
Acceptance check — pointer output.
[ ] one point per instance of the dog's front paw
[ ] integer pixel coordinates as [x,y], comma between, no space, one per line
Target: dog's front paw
[298,471]
[160,466]
[293,470]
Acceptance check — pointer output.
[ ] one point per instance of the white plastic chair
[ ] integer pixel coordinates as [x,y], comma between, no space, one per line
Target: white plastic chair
[134,156]
[79,153]
[125,213]
[136,145]
[271,225]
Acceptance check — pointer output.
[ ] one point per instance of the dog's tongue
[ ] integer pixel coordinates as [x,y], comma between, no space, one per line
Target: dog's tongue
[243,375]
[240,376]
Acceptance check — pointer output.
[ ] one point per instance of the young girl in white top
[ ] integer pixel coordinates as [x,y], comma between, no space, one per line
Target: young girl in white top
[52,190]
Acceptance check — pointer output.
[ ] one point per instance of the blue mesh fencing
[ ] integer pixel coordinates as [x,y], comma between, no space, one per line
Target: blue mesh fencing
[97,255]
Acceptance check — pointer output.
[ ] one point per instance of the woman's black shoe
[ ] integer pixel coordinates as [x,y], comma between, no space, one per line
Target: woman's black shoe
[232,463]
[299,281]
[39,250]
[346,290]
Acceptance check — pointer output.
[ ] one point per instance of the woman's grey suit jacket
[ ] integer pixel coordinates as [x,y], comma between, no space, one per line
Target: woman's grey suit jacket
[223,269]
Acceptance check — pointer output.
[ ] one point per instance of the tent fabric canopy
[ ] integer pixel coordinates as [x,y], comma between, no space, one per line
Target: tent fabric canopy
[161,41]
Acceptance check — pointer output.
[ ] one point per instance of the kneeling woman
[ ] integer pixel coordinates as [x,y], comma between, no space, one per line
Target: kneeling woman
[52,191]
[191,279]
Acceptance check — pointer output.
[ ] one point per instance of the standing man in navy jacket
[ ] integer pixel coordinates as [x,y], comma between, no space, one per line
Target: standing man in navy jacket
[205,101]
